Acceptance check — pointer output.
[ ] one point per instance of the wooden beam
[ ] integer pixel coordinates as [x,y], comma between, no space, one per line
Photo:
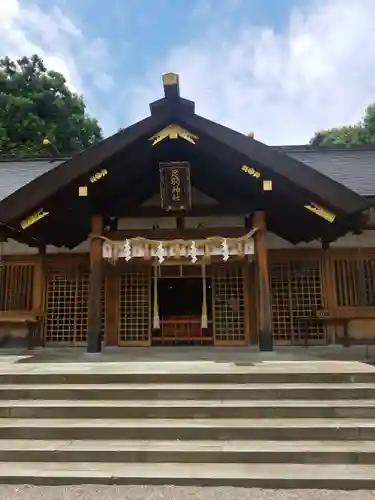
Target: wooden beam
[180,223]
[196,211]
[95,286]
[10,233]
[165,234]
[265,338]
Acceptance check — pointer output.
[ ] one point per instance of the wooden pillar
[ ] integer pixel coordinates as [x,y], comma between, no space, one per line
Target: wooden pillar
[111,305]
[265,337]
[248,303]
[94,344]
[328,291]
[39,292]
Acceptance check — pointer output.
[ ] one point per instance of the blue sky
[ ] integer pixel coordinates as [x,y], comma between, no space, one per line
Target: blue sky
[147,29]
[283,68]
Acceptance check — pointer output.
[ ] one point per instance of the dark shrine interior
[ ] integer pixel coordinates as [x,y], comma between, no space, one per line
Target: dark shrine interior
[182,297]
[180,307]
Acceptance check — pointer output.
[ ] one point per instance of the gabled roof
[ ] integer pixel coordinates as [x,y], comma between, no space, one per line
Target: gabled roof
[217,158]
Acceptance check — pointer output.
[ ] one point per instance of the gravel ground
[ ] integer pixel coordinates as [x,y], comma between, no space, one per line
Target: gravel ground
[171,493]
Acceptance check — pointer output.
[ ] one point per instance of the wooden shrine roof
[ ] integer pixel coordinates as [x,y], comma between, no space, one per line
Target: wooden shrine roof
[221,160]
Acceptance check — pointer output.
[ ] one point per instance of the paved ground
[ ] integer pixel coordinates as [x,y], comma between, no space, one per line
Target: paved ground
[181,359]
[172,493]
[63,354]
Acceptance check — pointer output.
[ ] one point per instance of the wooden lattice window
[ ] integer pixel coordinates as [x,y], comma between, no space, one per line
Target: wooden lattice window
[228,304]
[67,305]
[281,302]
[16,287]
[296,293]
[135,307]
[355,282]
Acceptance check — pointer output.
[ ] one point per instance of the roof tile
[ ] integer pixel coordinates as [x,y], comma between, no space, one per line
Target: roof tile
[16,174]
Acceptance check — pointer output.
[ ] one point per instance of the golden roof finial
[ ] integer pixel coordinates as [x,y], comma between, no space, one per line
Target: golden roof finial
[170,78]
[251,134]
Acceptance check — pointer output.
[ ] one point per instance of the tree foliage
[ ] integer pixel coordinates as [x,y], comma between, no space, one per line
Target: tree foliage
[36,103]
[355,135]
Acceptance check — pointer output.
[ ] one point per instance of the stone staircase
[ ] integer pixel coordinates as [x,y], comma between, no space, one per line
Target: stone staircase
[270,429]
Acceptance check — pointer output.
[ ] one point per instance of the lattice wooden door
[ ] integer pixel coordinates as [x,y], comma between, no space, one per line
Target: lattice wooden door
[228,304]
[67,305]
[135,307]
[296,292]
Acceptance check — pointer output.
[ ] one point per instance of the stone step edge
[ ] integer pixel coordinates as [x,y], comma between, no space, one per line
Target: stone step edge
[102,423]
[268,475]
[186,403]
[189,386]
[188,446]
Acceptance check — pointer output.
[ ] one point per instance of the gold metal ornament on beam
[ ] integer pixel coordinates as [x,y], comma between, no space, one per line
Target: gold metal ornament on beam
[320,211]
[83,191]
[32,219]
[98,175]
[250,171]
[173,131]
[267,185]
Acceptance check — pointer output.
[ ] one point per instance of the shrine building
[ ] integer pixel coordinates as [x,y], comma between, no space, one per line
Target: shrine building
[180,231]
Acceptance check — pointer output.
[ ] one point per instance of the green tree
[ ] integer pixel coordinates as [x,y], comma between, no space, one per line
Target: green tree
[355,135]
[36,104]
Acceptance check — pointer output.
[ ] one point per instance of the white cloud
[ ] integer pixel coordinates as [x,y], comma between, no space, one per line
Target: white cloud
[317,73]
[27,29]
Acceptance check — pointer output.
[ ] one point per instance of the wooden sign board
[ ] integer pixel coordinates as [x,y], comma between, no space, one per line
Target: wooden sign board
[175,186]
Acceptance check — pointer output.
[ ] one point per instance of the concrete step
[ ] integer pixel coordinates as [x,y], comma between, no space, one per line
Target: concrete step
[158,451]
[189,429]
[204,374]
[158,391]
[342,476]
[117,409]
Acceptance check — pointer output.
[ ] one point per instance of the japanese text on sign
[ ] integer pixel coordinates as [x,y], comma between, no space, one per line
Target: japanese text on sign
[176,185]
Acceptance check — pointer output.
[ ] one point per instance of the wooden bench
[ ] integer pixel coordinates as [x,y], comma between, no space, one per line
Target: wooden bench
[32,321]
[343,316]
